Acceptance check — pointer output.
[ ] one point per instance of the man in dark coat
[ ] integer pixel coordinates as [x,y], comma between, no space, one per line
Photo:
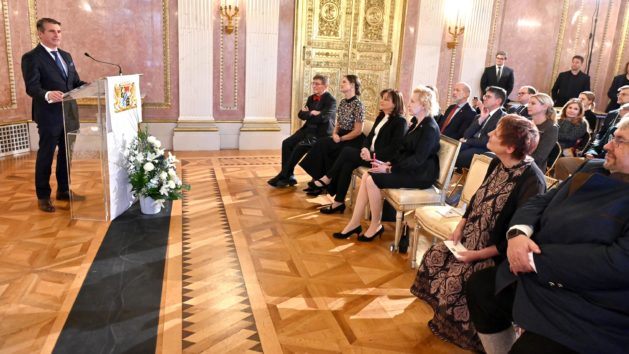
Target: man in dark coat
[459,115]
[571,83]
[318,115]
[49,72]
[566,278]
[498,75]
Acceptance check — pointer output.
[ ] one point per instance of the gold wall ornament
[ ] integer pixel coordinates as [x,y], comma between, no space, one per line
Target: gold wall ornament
[623,39]
[329,18]
[559,46]
[455,32]
[373,24]
[12,102]
[229,12]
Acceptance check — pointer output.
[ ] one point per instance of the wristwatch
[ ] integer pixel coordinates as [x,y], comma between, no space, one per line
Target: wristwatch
[514,233]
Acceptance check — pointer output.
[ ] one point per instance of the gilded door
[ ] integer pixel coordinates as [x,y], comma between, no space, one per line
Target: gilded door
[340,37]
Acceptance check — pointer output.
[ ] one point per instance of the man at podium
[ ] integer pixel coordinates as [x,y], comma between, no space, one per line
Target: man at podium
[49,72]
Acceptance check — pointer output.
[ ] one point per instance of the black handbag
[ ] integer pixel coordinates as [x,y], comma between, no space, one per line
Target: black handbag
[404,239]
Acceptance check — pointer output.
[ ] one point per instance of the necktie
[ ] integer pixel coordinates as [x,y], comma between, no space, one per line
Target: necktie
[59,65]
[316,98]
[499,72]
[450,115]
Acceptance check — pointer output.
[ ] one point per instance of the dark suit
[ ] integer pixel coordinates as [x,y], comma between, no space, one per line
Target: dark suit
[490,78]
[569,86]
[315,127]
[578,295]
[477,136]
[521,110]
[618,82]
[41,75]
[596,148]
[460,121]
[386,146]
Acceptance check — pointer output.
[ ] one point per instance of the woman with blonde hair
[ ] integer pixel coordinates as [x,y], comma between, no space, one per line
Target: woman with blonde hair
[415,165]
[572,126]
[543,114]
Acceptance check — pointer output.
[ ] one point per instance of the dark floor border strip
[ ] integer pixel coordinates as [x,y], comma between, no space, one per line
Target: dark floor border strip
[117,308]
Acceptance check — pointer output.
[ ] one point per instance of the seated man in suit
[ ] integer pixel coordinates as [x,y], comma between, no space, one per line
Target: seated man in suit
[566,166]
[498,75]
[318,115]
[566,278]
[458,116]
[476,136]
[522,108]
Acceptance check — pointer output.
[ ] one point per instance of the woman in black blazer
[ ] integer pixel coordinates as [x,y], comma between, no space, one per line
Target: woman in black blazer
[382,143]
[416,165]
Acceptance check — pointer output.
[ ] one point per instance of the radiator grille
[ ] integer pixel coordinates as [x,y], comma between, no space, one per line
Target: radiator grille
[14,139]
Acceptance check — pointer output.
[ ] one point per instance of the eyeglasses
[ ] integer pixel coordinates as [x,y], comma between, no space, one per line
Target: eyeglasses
[501,58]
[316,83]
[617,141]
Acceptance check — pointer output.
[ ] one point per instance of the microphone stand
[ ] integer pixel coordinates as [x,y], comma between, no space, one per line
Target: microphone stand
[104,62]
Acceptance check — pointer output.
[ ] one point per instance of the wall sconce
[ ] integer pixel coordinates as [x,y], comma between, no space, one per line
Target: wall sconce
[229,12]
[454,12]
[455,33]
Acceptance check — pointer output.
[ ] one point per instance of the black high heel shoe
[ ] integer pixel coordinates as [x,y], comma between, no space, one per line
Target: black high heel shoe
[343,236]
[331,210]
[364,238]
[315,190]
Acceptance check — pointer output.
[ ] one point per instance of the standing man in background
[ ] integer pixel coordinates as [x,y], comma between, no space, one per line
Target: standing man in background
[571,83]
[498,75]
[49,72]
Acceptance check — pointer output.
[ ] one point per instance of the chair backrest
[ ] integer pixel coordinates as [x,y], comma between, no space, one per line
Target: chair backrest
[475,176]
[554,155]
[448,152]
[551,182]
[367,126]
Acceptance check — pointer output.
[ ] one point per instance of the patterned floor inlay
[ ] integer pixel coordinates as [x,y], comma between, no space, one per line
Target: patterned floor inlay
[217,315]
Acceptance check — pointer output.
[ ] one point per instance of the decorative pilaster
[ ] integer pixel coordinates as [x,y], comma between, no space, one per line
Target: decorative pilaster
[260,129]
[429,42]
[196,129]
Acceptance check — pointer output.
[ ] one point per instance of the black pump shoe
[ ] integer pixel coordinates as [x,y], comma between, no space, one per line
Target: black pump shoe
[363,238]
[331,210]
[343,236]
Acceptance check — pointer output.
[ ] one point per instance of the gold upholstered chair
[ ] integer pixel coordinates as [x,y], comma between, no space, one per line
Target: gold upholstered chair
[441,220]
[404,200]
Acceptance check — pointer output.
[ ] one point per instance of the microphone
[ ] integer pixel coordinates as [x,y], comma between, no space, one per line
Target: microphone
[104,62]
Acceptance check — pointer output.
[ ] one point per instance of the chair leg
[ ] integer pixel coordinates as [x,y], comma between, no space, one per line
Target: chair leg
[414,239]
[399,215]
[352,185]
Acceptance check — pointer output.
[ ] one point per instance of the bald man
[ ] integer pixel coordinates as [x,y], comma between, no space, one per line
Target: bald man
[458,117]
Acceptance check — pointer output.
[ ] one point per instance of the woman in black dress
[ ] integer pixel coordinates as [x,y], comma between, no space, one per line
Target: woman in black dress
[347,132]
[415,165]
[382,143]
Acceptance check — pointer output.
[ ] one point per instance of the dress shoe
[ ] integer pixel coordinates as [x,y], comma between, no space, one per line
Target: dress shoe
[343,236]
[65,195]
[292,181]
[331,210]
[317,189]
[273,181]
[365,238]
[46,205]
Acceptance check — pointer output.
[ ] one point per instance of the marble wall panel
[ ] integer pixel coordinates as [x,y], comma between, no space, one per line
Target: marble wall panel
[285,60]
[409,45]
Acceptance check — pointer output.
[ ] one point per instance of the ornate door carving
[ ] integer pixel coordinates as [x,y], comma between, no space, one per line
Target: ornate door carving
[340,37]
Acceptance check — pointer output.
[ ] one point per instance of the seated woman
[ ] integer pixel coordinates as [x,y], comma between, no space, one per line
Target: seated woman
[512,178]
[588,98]
[347,132]
[543,114]
[381,143]
[415,165]
[572,125]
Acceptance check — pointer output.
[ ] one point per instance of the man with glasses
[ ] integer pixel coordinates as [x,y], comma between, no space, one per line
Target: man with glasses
[498,75]
[476,136]
[318,115]
[524,94]
[459,115]
[566,277]
[571,83]
[567,165]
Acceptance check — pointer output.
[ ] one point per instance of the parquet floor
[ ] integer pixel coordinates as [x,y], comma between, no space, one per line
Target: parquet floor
[250,269]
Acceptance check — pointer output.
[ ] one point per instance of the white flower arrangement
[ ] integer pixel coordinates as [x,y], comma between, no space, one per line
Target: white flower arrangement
[151,173]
